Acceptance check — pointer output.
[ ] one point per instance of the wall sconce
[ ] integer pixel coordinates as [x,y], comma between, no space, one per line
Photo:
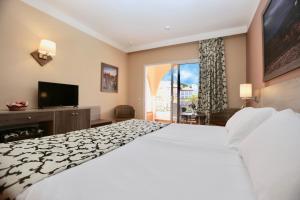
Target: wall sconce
[44,54]
[246,93]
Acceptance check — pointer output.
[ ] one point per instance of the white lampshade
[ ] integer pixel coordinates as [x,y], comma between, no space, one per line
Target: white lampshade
[47,47]
[246,91]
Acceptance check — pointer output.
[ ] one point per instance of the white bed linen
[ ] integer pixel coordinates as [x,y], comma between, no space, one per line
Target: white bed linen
[175,163]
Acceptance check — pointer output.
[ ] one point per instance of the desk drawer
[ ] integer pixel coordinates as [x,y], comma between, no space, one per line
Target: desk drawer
[25,118]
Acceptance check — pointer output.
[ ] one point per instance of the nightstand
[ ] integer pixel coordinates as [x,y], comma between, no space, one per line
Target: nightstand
[221,118]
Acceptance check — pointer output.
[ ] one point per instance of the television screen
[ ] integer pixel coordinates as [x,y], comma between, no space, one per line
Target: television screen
[56,94]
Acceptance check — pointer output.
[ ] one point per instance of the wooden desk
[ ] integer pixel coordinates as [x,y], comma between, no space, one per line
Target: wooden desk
[100,122]
[50,121]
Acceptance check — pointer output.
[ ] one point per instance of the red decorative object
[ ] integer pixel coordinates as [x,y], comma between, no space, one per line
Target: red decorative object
[18,106]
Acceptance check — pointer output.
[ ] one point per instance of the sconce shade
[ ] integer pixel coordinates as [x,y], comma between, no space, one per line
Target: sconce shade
[245,91]
[44,53]
[47,47]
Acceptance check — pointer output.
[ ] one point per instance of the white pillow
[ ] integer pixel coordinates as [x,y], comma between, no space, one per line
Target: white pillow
[271,154]
[235,118]
[244,122]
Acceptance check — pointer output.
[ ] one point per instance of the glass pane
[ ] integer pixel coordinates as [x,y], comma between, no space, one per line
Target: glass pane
[189,86]
[163,96]
[174,93]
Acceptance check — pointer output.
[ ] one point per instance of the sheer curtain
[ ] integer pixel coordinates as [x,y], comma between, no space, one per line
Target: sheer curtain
[212,82]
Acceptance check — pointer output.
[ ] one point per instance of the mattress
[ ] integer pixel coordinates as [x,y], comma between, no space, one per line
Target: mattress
[174,163]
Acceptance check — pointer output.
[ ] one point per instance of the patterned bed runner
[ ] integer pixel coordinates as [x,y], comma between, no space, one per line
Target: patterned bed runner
[23,163]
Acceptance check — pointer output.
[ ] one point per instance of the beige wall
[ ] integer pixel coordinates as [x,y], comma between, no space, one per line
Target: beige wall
[77,61]
[255,53]
[79,57]
[235,56]
[136,69]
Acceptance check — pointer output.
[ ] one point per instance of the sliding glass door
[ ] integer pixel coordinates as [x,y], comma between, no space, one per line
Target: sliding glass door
[171,92]
[184,92]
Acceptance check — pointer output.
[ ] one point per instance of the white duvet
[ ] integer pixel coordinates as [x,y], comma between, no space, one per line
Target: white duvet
[175,163]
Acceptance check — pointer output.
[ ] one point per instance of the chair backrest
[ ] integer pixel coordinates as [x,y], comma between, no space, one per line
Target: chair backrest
[124,111]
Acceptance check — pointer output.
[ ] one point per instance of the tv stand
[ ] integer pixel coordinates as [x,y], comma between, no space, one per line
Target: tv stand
[53,121]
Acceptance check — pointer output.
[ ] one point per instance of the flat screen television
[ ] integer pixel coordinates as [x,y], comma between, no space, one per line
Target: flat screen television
[56,94]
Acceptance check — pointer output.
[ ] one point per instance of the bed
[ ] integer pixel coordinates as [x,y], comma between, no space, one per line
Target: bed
[180,161]
[175,162]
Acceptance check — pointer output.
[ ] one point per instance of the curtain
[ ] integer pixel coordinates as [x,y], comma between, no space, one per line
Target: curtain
[212,81]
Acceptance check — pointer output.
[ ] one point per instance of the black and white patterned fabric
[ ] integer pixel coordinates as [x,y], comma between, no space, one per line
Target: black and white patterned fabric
[25,162]
[213,82]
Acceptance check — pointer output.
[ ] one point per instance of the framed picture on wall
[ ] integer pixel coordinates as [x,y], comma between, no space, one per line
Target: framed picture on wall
[109,78]
[281,30]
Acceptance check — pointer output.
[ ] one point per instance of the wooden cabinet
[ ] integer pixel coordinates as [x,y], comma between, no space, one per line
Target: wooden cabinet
[83,119]
[71,120]
[64,121]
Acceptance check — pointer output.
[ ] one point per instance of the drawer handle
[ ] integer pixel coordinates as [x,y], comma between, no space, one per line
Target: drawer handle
[73,113]
[29,117]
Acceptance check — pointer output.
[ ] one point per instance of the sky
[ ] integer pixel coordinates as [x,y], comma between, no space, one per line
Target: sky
[189,74]
[111,71]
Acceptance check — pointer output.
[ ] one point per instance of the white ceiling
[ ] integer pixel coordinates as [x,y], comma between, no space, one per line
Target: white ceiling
[133,25]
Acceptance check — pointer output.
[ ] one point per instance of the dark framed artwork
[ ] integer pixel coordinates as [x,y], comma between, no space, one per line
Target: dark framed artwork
[109,78]
[281,33]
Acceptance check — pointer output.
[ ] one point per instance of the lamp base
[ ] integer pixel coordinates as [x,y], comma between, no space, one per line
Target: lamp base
[244,104]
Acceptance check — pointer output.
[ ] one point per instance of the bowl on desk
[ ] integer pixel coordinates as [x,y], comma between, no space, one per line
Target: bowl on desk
[17,106]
